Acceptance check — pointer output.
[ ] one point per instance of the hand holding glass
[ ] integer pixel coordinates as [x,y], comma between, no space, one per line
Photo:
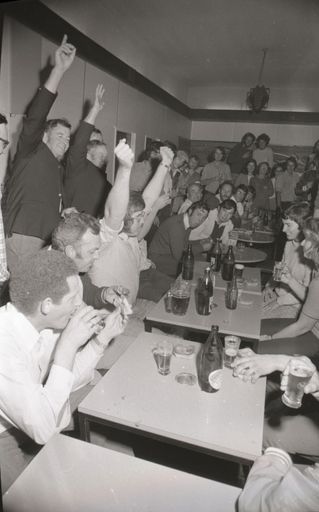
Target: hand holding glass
[299,374]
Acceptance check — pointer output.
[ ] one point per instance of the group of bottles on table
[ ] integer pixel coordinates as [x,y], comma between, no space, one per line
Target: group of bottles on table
[211,363]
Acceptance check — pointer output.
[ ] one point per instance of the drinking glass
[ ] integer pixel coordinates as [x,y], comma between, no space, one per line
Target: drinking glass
[299,375]
[232,344]
[162,354]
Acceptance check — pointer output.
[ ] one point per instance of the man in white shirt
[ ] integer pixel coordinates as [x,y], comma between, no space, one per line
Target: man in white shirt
[50,343]
[127,219]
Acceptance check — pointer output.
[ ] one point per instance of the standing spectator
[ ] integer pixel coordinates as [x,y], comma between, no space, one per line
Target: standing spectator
[239,198]
[263,153]
[247,173]
[142,171]
[171,184]
[85,184]
[286,184]
[240,154]
[34,199]
[263,186]
[217,171]
[4,142]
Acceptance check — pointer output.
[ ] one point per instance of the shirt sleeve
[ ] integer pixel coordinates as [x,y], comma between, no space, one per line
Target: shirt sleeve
[38,410]
[107,234]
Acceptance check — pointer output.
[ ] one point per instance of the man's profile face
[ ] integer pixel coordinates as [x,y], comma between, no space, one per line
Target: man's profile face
[197,217]
[60,313]
[226,192]
[58,140]
[225,215]
[87,251]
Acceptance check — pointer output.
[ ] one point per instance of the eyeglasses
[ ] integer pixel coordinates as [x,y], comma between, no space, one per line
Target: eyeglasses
[4,142]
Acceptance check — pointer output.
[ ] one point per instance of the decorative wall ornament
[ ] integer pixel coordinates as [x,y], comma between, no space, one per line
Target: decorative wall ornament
[258,97]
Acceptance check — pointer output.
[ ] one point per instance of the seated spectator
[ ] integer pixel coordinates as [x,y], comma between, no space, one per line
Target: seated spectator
[263,152]
[225,191]
[305,330]
[286,184]
[216,171]
[218,223]
[174,184]
[171,238]
[85,185]
[50,343]
[285,299]
[143,170]
[250,209]
[194,195]
[240,154]
[263,186]
[247,173]
[274,484]
[239,198]
[127,219]
[78,236]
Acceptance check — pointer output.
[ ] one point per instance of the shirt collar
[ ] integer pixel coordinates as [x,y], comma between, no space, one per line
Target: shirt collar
[186,221]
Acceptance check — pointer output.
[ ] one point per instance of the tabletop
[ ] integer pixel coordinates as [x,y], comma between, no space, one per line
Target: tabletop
[254,237]
[135,396]
[69,475]
[251,276]
[243,321]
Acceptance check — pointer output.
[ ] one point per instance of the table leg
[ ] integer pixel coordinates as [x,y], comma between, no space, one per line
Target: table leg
[84,428]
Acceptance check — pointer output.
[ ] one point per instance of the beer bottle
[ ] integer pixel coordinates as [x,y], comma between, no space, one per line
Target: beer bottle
[188,264]
[228,265]
[211,363]
[214,256]
[205,294]
[231,294]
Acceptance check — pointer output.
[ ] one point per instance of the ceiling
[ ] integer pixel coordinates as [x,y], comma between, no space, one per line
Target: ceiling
[220,42]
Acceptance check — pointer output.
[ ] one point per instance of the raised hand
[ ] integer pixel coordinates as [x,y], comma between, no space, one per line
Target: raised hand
[98,102]
[124,154]
[167,155]
[64,55]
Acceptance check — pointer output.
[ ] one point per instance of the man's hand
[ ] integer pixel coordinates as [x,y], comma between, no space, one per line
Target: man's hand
[82,325]
[114,294]
[98,104]
[167,155]
[206,244]
[64,55]
[250,366]
[115,324]
[124,154]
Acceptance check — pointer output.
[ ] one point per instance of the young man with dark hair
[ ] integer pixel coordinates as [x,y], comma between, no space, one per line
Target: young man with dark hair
[218,223]
[50,343]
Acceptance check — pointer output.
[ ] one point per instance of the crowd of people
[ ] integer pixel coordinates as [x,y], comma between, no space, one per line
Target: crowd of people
[79,254]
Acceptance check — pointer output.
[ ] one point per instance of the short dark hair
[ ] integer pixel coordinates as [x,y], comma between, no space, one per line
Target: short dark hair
[53,123]
[136,204]
[248,134]
[242,187]
[71,229]
[228,204]
[200,205]
[42,275]
[263,136]
[298,212]
[96,130]
[251,160]
[94,143]
[3,119]
[291,159]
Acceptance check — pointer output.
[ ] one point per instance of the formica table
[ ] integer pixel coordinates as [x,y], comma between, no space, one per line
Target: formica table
[69,475]
[244,321]
[135,397]
[254,237]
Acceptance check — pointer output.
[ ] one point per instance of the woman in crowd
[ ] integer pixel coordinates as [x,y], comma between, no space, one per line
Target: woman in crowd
[304,330]
[217,171]
[250,210]
[262,185]
[247,173]
[285,299]
[263,152]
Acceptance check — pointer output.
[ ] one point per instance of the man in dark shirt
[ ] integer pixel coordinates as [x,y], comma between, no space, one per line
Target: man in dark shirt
[34,198]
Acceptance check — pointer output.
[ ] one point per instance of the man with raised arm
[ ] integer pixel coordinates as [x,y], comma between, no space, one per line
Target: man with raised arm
[34,196]
[127,218]
[85,185]
[50,344]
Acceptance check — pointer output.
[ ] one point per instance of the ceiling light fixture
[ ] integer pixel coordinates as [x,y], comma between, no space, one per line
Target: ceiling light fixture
[258,97]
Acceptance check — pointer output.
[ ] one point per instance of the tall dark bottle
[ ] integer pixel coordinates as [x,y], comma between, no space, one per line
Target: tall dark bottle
[214,256]
[204,302]
[211,363]
[228,265]
[188,264]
